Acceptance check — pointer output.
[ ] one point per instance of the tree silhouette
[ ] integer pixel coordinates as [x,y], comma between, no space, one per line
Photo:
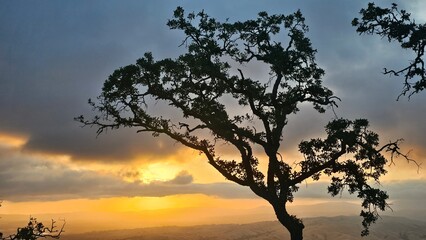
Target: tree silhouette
[35,230]
[200,83]
[397,25]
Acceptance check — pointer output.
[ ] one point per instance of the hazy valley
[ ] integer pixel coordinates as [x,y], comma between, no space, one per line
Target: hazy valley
[321,228]
[255,224]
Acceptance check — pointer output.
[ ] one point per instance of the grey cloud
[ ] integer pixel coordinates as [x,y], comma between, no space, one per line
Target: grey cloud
[55,55]
[117,146]
[354,66]
[130,174]
[403,190]
[182,178]
[406,198]
[26,178]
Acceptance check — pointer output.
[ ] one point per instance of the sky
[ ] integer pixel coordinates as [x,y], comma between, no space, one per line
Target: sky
[55,55]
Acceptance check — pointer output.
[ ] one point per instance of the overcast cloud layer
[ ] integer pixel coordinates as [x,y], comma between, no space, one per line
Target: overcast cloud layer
[27,178]
[54,55]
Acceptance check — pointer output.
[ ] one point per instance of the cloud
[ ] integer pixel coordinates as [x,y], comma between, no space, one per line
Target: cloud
[182,178]
[400,191]
[27,178]
[54,56]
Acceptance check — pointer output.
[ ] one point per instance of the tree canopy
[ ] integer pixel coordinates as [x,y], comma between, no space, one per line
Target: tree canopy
[397,25]
[198,84]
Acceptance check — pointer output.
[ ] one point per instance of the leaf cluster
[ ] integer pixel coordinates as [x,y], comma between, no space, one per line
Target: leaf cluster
[397,25]
[365,164]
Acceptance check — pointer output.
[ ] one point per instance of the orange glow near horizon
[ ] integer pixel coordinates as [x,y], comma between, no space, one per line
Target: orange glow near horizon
[125,204]
[83,215]
[185,209]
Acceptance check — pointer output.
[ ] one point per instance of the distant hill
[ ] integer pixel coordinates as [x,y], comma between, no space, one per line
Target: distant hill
[321,228]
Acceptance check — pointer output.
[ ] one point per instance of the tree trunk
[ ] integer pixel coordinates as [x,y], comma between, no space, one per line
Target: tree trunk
[297,233]
[290,222]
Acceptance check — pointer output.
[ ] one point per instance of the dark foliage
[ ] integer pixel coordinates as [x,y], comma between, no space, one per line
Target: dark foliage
[397,25]
[35,230]
[197,82]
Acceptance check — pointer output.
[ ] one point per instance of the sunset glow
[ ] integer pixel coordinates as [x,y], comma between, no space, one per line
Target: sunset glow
[12,141]
[54,55]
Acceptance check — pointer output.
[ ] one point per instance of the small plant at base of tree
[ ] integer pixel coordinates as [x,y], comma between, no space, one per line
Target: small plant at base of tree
[35,230]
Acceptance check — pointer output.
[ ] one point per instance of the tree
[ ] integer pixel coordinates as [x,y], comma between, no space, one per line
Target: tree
[35,230]
[397,25]
[200,83]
